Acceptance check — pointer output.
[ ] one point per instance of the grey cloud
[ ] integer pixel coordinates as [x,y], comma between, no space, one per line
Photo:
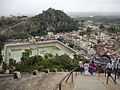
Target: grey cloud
[27,7]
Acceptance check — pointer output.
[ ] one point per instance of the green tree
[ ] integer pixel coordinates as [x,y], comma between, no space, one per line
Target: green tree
[26,54]
[12,63]
[5,66]
[82,33]
[101,26]
[20,35]
[78,57]
[40,63]
[88,30]
[1,48]
[3,38]
[48,56]
[71,45]
[114,29]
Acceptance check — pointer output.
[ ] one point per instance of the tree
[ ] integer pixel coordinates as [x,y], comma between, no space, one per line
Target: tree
[40,63]
[101,26]
[79,57]
[12,63]
[48,56]
[3,38]
[82,33]
[71,45]
[88,30]
[26,54]
[20,35]
[1,59]
[1,48]
[4,66]
[114,29]
[63,61]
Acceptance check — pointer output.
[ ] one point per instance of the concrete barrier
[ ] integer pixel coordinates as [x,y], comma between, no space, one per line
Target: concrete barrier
[61,70]
[35,72]
[16,75]
[7,71]
[47,70]
[55,70]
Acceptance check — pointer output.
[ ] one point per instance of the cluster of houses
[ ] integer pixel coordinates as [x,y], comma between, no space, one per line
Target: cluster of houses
[96,43]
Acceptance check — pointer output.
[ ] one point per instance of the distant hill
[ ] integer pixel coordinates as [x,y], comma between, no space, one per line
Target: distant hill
[87,14]
[12,25]
[49,20]
[52,20]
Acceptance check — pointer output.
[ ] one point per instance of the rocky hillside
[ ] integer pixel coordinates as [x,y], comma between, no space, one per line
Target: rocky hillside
[13,24]
[52,20]
[49,20]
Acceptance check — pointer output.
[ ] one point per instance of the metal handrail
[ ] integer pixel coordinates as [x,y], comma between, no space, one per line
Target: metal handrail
[105,71]
[59,86]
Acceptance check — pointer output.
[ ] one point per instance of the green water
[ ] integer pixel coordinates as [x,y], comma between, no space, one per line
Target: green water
[16,54]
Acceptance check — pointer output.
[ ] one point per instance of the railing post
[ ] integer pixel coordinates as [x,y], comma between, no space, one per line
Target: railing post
[105,73]
[76,73]
[113,79]
[60,86]
[107,79]
[115,74]
[99,71]
[72,77]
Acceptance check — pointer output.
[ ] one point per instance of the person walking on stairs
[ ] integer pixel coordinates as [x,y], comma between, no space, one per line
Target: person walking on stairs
[109,69]
[80,64]
[92,68]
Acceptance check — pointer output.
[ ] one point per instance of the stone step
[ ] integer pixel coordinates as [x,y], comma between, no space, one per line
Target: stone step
[87,82]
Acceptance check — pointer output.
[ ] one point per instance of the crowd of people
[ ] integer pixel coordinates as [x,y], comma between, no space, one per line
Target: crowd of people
[87,68]
[90,67]
[113,66]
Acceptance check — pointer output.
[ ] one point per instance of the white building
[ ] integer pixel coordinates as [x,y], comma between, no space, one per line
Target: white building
[50,34]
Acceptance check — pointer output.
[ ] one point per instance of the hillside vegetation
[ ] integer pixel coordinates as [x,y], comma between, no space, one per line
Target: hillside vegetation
[51,20]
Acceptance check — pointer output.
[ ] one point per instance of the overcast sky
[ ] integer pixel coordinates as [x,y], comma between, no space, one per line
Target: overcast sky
[32,7]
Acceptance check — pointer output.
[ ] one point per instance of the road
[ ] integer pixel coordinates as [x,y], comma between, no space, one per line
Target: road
[3,31]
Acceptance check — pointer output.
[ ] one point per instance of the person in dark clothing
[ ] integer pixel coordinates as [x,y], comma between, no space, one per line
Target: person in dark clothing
[109,69]
[118,68]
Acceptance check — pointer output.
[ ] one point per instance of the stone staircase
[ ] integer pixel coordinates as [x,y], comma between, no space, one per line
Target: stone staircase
[42,81]
[48,81]
[87,82]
